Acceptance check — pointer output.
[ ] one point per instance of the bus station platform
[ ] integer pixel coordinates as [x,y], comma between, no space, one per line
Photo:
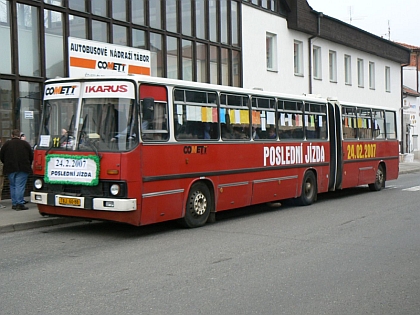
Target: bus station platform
[12,220]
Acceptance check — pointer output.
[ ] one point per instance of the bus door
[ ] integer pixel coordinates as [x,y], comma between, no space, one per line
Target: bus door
[336,152]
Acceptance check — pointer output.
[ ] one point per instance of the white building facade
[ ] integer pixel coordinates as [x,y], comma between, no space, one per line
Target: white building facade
[301,56]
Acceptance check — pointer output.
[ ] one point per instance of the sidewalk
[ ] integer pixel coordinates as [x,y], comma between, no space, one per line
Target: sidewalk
[11,220]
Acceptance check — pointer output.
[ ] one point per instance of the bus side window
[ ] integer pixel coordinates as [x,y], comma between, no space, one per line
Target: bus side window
[154,120]
[154,112]
[147,113]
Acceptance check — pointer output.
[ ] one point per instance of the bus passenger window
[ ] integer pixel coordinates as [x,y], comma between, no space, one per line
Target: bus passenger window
[263,116]
[154,112]
[391,128]
[234,117]
[349,122]
[195,115]
[364,123]
[378,124]
[154,121]
[316,121]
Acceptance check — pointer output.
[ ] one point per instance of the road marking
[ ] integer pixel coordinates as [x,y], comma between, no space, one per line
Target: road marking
[391,187]
[415,188]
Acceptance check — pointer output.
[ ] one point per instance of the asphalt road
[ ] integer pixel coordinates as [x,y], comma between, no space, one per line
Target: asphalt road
[353,252]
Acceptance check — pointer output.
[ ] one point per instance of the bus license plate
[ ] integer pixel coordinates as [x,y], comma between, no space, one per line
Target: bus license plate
[69,201]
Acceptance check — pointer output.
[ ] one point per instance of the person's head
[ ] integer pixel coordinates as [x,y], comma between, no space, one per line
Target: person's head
[22,136]
[15,133]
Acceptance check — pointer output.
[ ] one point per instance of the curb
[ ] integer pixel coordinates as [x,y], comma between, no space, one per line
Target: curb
[36,224]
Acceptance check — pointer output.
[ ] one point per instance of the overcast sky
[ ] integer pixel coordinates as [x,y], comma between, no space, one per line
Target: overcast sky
[373,16]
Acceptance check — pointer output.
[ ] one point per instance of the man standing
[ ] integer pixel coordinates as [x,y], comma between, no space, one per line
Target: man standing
[17,158]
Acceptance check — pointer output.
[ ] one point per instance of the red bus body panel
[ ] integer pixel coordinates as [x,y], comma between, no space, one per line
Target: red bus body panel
[361,160]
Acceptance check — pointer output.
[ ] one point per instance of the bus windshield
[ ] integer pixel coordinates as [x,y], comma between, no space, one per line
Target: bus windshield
[99,124]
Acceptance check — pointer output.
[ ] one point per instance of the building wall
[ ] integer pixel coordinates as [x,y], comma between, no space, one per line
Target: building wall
[284,80]
[412,114]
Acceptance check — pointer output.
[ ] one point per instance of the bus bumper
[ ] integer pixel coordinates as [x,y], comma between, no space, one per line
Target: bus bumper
[88,203]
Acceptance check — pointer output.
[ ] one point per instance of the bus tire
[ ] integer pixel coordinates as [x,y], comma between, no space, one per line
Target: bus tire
[379,180]
[199,206]
[309,190]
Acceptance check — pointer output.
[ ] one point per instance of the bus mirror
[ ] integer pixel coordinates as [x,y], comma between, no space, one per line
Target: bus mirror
[148,106]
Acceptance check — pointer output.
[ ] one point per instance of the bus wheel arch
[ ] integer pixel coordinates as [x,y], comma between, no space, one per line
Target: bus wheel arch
[309,190]
[380,178]
[199,204]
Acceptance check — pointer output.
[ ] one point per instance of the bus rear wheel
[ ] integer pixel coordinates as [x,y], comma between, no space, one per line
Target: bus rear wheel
[379,180]
[309,190]
[199,205]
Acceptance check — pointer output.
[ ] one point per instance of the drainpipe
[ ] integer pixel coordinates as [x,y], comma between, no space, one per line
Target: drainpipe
[318,33]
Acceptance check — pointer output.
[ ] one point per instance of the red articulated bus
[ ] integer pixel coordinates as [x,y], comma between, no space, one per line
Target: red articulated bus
[142,150]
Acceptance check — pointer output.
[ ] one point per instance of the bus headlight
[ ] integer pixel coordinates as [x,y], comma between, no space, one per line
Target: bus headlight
[38,183]
[114,189]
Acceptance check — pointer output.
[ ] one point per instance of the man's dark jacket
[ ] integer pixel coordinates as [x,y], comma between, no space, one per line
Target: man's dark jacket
[17,156]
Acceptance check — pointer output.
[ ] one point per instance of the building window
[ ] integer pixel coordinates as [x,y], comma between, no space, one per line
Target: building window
[202,62]
[225,63]
[316,59]
[5,47]
[298,58]
[360,73]
[200,19]
[387,79]
[28,34]
[236,68]
[213,20]
[77,26]
[156,56]
[271,51]
[99,7]
[187,64]
[186,17]
[224,22]
[172,57]
[171,16]
[214,61]
[79,5]
[333,66]
[30,94]
[6,97]
[155,14]
[119,10]
[54,55]
[137,12]
[139,39]
[347,69]
[119,35]
[100,31]
[372,75]
[234,12]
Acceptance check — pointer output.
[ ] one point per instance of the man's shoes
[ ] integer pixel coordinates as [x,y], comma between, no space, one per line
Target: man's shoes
[25,201]
[14,207]
[21,207]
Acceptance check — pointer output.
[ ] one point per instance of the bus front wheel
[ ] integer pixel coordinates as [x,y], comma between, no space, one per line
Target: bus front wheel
[379,180]
[309,190]
[198,206]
